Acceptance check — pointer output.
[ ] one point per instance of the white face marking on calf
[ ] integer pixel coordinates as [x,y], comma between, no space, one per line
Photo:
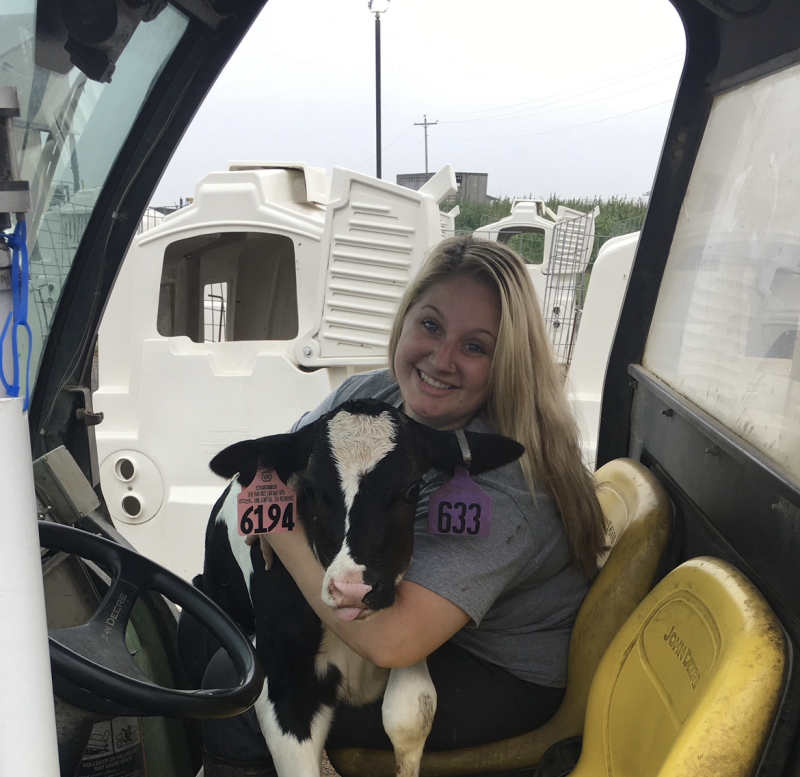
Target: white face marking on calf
[358,443]
[241,550]
[343,569]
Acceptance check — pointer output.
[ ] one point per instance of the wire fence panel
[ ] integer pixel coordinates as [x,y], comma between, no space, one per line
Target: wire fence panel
[567,278]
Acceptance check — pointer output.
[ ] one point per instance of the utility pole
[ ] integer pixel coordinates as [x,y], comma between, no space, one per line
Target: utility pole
[378,170]
[378,7]
[425,123]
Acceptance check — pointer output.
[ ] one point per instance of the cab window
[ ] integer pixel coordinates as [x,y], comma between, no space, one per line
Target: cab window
[724,332]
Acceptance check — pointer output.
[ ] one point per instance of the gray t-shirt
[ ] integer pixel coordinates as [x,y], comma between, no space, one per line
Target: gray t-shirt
[517,585]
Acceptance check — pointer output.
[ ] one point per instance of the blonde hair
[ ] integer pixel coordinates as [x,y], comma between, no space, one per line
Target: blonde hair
[525,398]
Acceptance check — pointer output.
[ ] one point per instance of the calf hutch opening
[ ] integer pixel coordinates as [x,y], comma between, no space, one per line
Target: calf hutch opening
[228,286]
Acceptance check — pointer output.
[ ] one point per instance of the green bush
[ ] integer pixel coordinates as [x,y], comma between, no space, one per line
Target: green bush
[478,214]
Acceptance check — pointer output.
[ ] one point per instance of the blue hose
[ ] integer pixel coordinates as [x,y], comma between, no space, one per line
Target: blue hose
[18,317]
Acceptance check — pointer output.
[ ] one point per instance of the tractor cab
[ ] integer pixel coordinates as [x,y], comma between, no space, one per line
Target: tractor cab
[701,390]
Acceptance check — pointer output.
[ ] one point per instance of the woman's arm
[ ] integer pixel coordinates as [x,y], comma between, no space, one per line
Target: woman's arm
[413,627]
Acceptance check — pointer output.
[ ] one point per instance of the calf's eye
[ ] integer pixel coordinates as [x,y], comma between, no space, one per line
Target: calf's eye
[309,492]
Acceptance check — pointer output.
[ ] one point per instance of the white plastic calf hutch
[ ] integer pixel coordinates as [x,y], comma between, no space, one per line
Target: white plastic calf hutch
[559,279]
[235,315]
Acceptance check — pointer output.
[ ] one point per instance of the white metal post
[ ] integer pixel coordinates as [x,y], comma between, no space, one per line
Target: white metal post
[27,718]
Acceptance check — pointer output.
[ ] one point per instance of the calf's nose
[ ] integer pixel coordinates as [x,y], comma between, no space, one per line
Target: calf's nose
[352,593]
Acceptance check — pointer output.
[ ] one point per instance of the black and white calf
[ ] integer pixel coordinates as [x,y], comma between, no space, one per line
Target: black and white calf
[357,473]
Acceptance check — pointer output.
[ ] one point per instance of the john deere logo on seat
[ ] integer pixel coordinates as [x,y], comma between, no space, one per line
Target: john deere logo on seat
[684,654]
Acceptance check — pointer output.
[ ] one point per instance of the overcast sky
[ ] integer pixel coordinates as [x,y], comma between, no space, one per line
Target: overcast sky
[546,96]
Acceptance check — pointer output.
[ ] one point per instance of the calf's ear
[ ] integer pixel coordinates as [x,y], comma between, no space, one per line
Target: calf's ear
[285,453]
[489,451]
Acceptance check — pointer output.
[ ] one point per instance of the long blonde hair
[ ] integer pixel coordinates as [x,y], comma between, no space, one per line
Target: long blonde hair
[525,398]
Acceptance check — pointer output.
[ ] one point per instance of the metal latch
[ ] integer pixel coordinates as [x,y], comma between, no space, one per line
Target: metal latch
[88,417]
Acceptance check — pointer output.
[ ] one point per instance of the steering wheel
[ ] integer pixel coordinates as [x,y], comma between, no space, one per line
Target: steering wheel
[91,664]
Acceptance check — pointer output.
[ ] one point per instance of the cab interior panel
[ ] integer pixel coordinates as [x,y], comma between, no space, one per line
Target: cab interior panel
[730,504]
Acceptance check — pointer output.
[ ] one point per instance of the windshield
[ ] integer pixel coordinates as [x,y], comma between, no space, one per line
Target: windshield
[68,136]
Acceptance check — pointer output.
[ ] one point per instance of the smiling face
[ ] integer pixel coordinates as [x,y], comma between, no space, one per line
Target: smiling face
[445,352]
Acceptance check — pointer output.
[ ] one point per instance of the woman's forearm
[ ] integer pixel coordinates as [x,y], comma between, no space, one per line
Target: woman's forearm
[414,626]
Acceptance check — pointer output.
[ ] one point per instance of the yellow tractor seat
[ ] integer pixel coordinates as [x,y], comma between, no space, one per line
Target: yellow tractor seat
[639,517]
[691,684]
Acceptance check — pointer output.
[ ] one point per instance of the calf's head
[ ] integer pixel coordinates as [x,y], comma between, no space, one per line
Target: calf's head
[358,473]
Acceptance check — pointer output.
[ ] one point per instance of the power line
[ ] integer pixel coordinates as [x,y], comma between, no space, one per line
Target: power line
[511,117]
[562,129]
[392,157]
[412,144]
[388,145]
[586,88]
[397,162]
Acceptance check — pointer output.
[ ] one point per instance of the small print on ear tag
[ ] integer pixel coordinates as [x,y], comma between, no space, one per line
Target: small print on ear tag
[460,508]
[266,506]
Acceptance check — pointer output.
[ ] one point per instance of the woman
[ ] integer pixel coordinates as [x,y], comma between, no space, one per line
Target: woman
[469,349]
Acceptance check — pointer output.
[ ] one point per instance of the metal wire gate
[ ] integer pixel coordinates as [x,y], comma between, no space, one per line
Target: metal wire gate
[567,279]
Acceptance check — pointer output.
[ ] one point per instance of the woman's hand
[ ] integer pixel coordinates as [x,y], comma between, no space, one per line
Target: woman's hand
[413,627]
[283,540]
[266,549]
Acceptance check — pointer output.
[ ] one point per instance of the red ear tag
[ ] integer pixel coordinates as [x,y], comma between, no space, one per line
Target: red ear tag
[266,506]
[460,508]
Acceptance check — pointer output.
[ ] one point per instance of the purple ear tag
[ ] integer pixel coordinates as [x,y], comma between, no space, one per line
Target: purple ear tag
[460,508]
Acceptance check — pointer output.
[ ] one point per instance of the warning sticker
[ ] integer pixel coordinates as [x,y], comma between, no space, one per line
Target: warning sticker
[114,749]
[266,505]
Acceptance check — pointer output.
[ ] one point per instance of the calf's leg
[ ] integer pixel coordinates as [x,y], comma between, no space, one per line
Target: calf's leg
[409,705]
[293,757]
[295,708]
